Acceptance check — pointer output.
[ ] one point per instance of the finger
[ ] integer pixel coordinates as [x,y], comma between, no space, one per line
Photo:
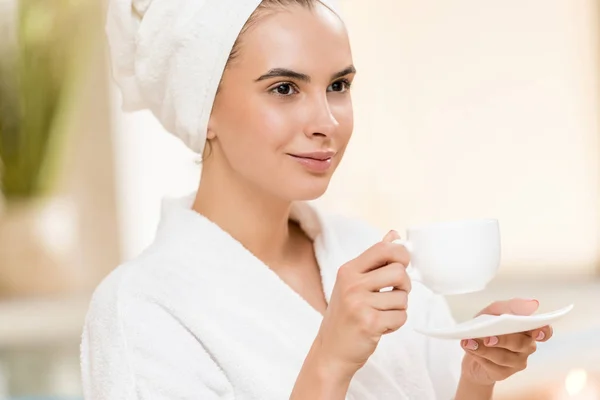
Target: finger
[497,372]
[387,301]
[380,254]
[498,356]
[392,275]
[542,334]
[391,236]
[512,306]
[517,342]
[390,321]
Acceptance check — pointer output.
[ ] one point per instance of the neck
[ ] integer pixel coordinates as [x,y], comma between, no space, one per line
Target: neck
[255,218]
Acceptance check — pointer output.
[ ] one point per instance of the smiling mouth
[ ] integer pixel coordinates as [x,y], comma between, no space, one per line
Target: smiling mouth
[312,158]
[316,155]
[315,163]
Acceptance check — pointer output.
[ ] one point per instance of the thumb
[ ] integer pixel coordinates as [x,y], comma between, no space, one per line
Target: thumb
[512,306]
[391,236]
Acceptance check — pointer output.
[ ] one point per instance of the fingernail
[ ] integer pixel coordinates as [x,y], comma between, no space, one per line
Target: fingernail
[470,344]
[491,341]
[540,336]
[391,236]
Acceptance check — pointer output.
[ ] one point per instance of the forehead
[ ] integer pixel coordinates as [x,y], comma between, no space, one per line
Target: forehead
[298,38]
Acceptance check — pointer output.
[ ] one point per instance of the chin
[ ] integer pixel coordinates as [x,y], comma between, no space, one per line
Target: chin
[310,188]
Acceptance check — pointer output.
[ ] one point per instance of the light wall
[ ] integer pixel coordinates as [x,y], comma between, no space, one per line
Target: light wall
[464,109]
[472,109]
[151,165]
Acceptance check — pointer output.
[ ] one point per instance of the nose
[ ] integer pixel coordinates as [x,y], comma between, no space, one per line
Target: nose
[322,121]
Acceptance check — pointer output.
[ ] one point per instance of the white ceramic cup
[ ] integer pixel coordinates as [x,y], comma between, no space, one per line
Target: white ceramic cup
[454,257]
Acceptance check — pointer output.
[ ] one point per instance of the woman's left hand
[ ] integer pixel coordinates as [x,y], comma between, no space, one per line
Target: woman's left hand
[492,359]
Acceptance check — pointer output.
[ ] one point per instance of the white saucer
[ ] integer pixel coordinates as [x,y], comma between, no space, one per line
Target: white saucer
[494,325]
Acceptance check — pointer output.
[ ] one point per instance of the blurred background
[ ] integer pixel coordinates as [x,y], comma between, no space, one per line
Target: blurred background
[464,109]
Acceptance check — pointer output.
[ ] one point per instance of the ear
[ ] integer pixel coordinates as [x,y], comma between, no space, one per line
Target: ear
[210,130]
[210,134]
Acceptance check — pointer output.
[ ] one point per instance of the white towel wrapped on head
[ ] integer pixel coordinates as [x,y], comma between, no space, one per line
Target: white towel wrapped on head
[168,56]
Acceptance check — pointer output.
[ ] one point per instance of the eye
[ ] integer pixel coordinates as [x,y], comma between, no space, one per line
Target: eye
[284,89]
[339,86]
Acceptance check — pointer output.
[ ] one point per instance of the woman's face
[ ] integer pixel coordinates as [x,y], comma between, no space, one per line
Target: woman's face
[283,116]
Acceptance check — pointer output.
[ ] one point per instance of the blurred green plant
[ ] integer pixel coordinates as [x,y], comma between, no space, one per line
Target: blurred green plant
[39,75]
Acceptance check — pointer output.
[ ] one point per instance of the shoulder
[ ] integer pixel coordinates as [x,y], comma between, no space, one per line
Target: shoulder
[132,308]
[134,338]
[134,282]
[107,365]
[118,283]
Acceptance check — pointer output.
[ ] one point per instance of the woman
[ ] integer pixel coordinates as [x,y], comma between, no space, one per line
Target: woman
[248,291]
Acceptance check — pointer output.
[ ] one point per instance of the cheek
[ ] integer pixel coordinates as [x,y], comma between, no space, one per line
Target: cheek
[275,125]
[257,132]
[344,115]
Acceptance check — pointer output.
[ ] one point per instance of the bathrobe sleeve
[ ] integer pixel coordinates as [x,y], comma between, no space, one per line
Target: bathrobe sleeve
[444,357]
[134,349]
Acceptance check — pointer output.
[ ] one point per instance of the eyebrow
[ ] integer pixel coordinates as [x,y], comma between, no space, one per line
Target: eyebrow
[288,73]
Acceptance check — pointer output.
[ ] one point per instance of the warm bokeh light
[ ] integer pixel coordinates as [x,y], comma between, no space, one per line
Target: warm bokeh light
[578,385]
[576,381]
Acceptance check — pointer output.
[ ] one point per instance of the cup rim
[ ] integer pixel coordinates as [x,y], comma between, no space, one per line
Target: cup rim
[453,223]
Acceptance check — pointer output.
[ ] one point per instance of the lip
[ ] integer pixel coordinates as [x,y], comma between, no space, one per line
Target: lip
[316,155]
[317,162]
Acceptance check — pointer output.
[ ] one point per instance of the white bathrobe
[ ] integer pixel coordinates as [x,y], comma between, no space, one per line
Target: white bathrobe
[197,316]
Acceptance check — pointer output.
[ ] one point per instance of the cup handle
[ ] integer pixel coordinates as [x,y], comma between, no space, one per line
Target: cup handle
[414,273]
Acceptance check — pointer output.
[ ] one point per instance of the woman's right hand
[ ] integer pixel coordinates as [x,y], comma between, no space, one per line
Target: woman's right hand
[358,313]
